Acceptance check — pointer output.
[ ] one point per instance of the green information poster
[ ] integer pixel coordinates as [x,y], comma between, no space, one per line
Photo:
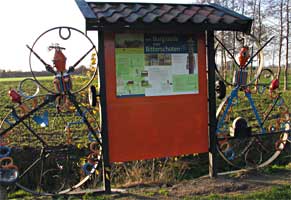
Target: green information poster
[156,64]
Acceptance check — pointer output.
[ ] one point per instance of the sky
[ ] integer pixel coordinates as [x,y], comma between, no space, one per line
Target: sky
[22,21]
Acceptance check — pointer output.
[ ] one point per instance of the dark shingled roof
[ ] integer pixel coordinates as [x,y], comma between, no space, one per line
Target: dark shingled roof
[154,16]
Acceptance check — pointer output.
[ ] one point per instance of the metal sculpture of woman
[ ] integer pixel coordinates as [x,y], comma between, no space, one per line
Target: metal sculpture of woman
[60,147]
[250,132]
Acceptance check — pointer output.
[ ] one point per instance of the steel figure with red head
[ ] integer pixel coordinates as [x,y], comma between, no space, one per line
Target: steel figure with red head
[59,139]
[62,80]
[250,132]
[59,67]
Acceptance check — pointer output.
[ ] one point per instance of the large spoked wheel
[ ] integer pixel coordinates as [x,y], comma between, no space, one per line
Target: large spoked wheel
[241,140]
[54,152]
[58,52]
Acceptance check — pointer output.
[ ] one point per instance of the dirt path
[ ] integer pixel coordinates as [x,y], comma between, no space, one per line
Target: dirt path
[241,182]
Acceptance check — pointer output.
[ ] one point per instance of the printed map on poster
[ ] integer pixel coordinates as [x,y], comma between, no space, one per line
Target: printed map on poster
[156,64]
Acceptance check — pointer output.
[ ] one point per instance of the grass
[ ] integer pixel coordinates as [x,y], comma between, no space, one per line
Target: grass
[163,192]
[192,170]
[15,79]
[19,194]
[282,192]
[274,193]
[276,168]
[53,134]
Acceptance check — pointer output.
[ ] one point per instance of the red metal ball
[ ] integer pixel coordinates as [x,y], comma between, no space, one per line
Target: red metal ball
[14,96]
[274,84]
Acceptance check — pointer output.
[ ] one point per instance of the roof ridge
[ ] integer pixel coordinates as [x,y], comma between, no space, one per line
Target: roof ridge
[148,16]
[126,2]
[228,11]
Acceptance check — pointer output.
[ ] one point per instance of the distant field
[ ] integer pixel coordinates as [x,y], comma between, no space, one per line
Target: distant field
[12,79]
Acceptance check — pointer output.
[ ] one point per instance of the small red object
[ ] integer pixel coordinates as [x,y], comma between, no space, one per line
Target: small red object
[244,55]
[14,96]
[274,84]
[59,60]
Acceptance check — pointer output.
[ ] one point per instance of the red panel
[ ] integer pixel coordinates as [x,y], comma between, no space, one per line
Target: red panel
[158,126]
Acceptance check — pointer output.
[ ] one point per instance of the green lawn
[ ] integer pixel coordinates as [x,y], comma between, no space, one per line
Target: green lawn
[282,192]
[14,79]
[273,193]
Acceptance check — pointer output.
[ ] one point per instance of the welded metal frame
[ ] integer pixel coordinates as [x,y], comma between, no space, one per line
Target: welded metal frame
[49,99]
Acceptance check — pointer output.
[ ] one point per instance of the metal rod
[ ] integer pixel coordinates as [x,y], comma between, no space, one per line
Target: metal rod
[251,59]
[21,119]
[93,47]
[41,172]
[76,104]
[252,104]
[30,166]
[35,134]
[256,135]
[232,56]
[269,112]
[47,66]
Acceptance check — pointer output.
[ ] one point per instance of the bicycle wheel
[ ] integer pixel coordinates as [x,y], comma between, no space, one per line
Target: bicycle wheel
[54,152]
[245,140]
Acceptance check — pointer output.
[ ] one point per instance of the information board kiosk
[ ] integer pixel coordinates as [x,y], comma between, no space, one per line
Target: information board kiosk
[157,77]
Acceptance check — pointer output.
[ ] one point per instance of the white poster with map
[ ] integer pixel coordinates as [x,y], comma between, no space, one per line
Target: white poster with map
[156,64]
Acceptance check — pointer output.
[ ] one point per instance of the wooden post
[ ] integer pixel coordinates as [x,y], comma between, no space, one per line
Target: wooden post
[104,131]
[211,104]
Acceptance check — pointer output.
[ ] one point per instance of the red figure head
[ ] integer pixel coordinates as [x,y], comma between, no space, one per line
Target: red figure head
[244,55]
[59,60]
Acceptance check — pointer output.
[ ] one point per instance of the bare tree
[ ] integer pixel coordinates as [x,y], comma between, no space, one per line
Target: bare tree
[233,34]
[260,21]
[243,7]
[254,15]
[281,38]
[287,46]
[223,61]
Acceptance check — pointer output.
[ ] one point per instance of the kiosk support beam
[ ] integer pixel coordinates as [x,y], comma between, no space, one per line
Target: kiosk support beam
[104,127]
[211,104]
